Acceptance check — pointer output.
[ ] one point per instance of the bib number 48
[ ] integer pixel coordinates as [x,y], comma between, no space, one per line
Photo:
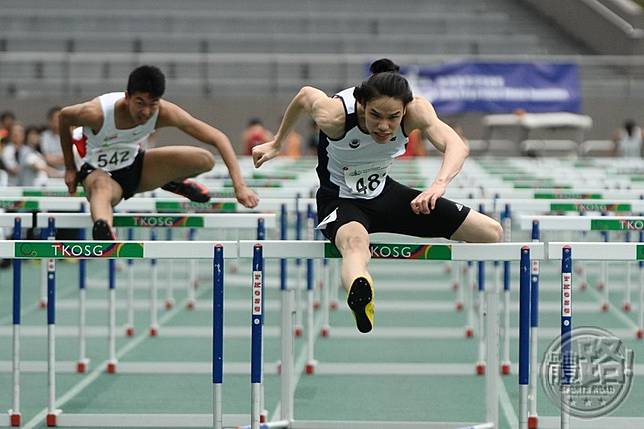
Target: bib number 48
[114,160]
[369,185]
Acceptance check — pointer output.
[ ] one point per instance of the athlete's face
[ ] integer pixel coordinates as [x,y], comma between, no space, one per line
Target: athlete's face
[142,106]
[383,116]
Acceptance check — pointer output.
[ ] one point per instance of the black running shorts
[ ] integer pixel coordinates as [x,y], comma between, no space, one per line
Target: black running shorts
[128,177]
[391,212]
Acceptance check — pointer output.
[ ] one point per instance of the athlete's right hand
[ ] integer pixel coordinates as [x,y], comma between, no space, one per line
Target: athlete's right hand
[264,152]
[70,180]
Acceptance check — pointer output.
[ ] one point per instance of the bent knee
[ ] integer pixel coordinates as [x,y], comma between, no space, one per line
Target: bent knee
[205,161]
[492,232]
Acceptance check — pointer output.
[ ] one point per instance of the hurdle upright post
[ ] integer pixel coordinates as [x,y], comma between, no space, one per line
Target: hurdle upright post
[154,325]
[261,235]
[129,329]
[52,412]
[286,333]
[111,333]
[640,325]
[533,419]
[14,412]
[218,335]
[565,372]
[506,219]
[257,316]
[83,361]
[524,336]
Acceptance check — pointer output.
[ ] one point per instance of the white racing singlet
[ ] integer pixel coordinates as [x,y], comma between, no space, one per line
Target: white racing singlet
[355,166]
[112,148]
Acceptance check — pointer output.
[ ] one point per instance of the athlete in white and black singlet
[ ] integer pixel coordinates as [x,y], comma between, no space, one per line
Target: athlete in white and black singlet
[362,130]
[116,125]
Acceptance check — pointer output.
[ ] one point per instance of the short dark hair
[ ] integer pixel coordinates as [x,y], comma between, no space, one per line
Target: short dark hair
[385,80]
[146,79]
[52,110]
[7,114]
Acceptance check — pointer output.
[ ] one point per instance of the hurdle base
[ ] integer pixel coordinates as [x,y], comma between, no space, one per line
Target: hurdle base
[52,418]
[14,418]
[154,331]
[600,286]
[583,286]
[316,305]
[454,286]
[111,366]
[469,332]
[129,331]
[480,368]
[190,305]
[169,304]
[333,305]
[533,422]
[627,307]
[82,365]
[506,368]
[42,303]
[278,368]
[604,307]
[310,367]
[459,306]
[298,331]
[325,331]
[640,334]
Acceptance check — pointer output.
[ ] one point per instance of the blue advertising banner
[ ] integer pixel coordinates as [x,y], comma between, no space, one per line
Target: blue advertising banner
[497,87]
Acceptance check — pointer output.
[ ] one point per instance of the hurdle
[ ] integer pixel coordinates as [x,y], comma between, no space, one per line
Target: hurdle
[215,251]
[272,249]
[142,220]
[566,252]
[600,224]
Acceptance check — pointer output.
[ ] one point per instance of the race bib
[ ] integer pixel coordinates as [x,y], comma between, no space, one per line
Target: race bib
[113,158]
[366,180]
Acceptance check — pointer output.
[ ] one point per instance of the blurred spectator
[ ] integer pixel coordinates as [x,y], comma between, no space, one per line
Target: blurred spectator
[7,119]
[25,165]
[50,141]
[628,140]
[255,134]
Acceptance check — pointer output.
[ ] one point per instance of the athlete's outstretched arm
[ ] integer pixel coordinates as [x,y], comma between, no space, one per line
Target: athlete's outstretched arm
[421,115]
[83,114]
[325,111]
[171,115]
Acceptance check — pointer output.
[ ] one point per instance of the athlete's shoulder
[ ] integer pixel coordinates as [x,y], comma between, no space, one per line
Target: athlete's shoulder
[419,114]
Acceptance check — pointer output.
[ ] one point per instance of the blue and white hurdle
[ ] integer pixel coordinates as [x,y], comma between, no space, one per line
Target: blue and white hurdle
[142,220]
[454,252]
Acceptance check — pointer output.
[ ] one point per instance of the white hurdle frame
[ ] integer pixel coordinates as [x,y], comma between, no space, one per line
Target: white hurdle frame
[277,249]
[146,220]
[148,250]
[600,251]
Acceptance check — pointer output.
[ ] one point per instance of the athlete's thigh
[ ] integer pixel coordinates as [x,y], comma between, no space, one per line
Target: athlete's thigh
[165,164]
[478,228]
[99,180]
[395,214]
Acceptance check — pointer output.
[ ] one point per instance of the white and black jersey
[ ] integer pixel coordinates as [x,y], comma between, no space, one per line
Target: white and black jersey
[355,166]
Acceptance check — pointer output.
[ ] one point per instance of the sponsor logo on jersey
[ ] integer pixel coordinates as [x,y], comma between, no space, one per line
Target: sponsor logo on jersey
[459,207]
[354,143]
[393,139]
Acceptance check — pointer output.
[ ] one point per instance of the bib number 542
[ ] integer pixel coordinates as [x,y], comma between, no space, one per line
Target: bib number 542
[117,158]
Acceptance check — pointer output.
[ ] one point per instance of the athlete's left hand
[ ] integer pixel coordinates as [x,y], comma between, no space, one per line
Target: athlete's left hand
[246,196]
[425,202]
